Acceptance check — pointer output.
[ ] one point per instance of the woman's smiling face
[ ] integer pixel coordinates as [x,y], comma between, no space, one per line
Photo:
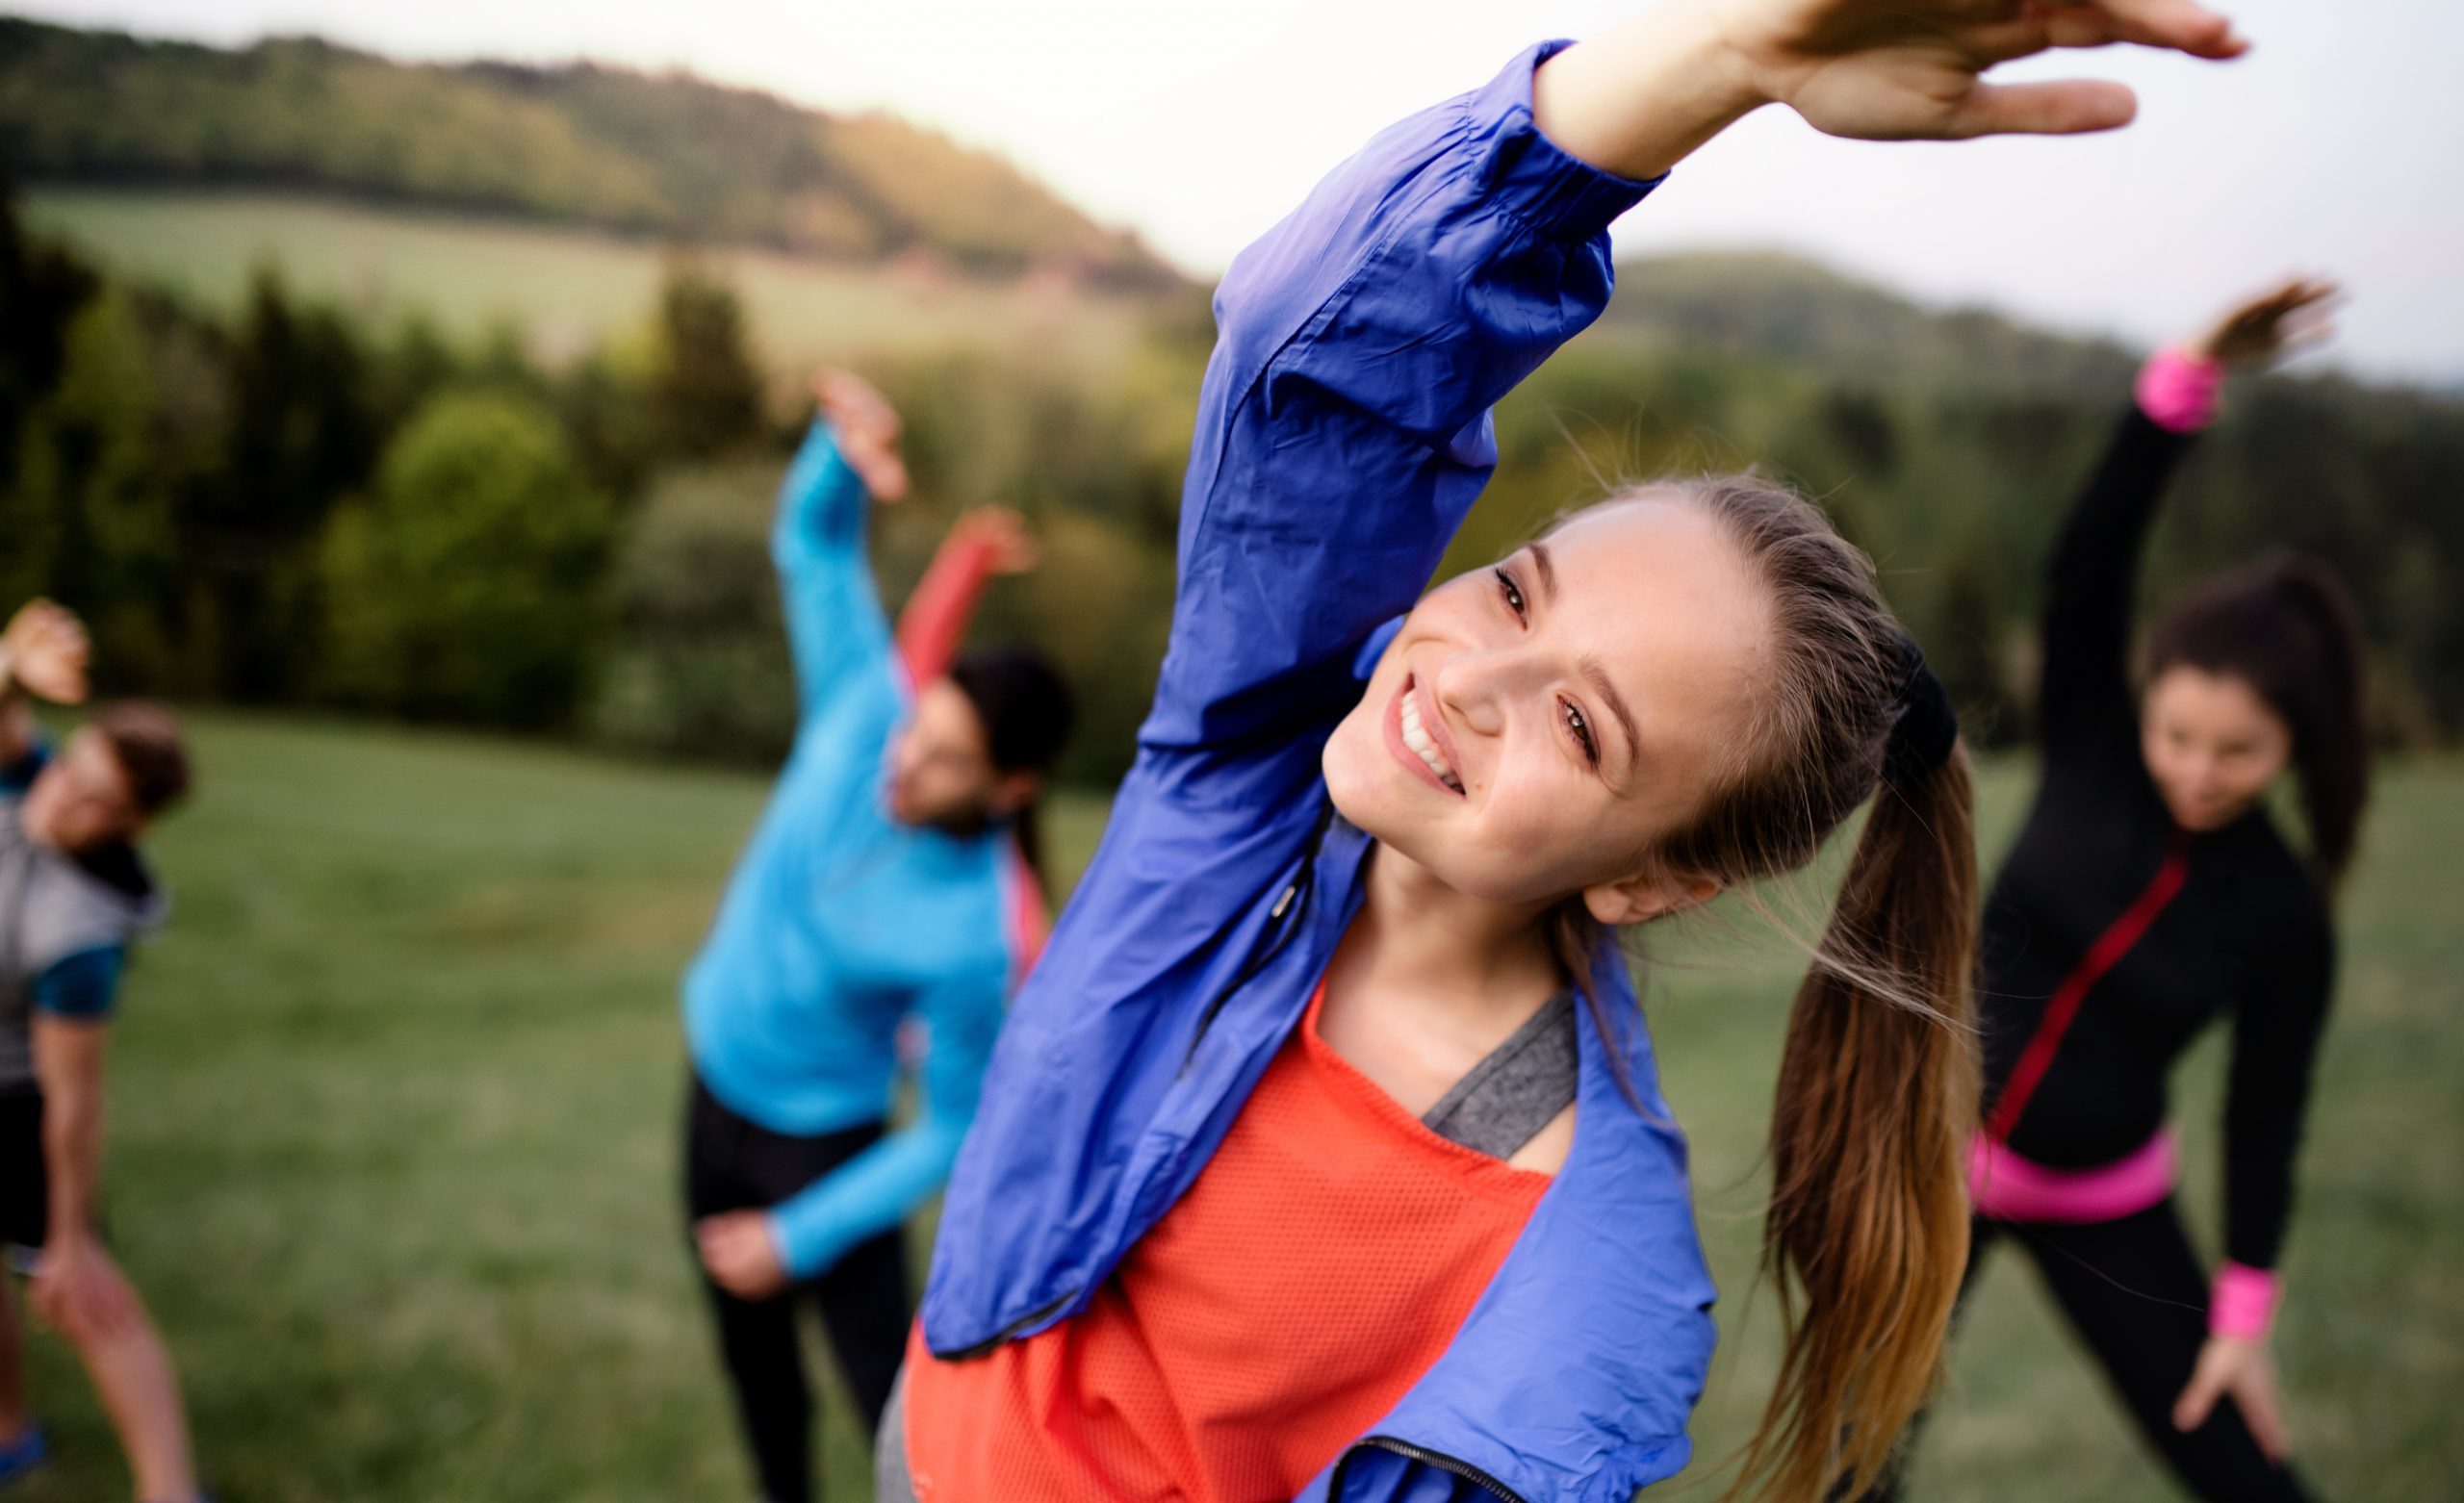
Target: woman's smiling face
[1537,725]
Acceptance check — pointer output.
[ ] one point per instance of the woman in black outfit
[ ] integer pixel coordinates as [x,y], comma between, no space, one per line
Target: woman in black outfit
[2151,894]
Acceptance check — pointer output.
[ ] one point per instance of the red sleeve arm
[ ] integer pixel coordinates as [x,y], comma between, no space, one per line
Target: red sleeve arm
[936,619]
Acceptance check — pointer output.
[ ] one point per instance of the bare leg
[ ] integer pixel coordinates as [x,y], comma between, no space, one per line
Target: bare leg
[131,1372]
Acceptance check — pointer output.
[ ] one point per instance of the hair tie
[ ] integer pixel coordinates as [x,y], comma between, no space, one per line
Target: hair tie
[1924,727]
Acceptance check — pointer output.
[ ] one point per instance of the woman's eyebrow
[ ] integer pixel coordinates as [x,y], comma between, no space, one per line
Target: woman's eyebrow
[1598,677]
[1548,569]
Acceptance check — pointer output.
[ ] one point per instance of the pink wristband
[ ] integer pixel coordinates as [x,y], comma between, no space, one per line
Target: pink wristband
[2243,1302]
[2178,390]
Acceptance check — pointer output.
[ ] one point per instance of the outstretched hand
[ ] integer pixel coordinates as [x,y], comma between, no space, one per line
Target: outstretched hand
[1639,98]
[868,427]
[1009,547]
[1912,69]
[2293,315]
[43,653]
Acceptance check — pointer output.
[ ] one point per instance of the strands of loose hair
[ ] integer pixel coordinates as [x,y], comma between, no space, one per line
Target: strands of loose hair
[1865,1232]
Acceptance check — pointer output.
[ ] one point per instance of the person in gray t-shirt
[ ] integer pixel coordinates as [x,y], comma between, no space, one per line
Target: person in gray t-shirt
[74,895]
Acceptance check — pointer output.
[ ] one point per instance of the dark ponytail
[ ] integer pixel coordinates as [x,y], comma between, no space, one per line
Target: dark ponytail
[1027,709]
[2287,627]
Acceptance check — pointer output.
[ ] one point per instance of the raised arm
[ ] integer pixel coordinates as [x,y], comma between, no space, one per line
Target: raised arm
[989,540]
[2084,700]
[834,622]
[42,654]
[1343,427]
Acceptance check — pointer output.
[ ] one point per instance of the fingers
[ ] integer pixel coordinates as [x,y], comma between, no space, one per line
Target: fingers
[2261,1412]
[2181,25]
[2207,1383]
[856,405]
[2038,28]
[2063,107]
[887,477]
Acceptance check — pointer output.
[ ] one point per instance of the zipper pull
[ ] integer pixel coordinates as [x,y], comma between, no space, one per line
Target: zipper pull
[1284,901]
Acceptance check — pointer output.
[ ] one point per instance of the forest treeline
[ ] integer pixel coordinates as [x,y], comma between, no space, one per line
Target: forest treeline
[668,155]
[288,506]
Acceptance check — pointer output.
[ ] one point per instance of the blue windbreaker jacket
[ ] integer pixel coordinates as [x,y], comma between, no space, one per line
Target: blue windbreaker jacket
[1342,432]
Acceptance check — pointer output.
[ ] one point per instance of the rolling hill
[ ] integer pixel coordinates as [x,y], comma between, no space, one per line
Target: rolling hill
[667,156]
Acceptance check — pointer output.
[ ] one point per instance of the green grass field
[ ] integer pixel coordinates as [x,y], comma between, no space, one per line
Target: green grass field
[566,288]
[394,1130]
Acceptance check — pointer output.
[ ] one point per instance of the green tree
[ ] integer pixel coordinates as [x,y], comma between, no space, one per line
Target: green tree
[108,461]
[41,288]
[470,587]
[700,664]
[706,386]
[302,433]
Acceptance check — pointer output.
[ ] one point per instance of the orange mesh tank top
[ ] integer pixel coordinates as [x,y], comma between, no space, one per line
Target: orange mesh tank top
[1319,1266]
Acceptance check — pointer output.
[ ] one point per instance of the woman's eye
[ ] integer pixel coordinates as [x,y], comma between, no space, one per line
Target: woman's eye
[1581,729]
[1512,592]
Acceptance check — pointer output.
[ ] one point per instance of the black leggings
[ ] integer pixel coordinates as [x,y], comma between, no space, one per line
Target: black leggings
[733,1164]
[2133,1292]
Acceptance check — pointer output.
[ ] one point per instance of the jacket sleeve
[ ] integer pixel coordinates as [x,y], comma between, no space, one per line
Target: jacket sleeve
[835,627]
[2084,703]
[934,624]
[1343,428]
[83,986]
[880,1187]
[2275,1045]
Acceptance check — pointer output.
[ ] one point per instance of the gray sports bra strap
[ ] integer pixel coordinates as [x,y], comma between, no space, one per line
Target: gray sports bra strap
[1518,1089]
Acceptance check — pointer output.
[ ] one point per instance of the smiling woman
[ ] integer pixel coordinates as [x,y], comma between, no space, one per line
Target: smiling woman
[1499,691]
[1220,1232]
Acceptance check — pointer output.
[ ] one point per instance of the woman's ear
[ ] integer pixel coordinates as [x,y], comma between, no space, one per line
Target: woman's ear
[1637,900]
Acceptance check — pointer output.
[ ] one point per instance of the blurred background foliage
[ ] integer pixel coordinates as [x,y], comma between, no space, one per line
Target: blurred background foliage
[278,491]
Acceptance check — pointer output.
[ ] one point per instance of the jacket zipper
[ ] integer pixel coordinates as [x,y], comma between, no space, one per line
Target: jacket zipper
[1294,896]
[1426,1458]
[1294,900]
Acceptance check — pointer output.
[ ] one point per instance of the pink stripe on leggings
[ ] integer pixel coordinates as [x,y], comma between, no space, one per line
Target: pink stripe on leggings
[2007,1187]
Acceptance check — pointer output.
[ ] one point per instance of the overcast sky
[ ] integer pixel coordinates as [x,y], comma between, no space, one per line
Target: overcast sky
[2333,146]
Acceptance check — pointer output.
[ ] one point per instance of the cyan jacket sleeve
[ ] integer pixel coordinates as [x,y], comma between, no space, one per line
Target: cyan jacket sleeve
[835,626]
[83,985]
[1342,429]
[880,1187]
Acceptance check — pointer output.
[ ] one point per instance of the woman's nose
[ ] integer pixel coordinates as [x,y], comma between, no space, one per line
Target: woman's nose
[1476,686]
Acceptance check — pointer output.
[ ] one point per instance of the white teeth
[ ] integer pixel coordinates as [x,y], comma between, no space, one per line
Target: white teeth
[1424,746]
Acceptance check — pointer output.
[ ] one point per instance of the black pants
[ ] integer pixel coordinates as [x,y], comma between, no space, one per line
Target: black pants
[2133,1292]
[25,1184]
[733,1164]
